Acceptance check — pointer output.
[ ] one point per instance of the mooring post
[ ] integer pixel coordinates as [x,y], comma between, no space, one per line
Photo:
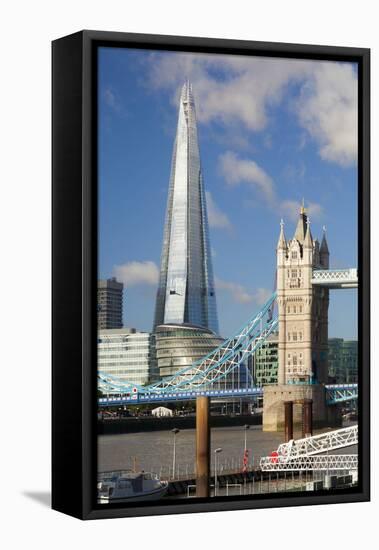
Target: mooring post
[307,418]
[202,446]
[288,421]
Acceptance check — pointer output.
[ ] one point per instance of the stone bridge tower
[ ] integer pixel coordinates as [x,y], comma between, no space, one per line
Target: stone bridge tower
[303,309]
[303,325]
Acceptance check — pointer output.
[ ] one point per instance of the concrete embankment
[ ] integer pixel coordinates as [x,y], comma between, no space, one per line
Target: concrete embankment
[151,424]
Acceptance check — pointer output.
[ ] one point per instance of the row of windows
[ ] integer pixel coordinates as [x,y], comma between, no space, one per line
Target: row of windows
[131,356]
[295,336]
[117,341]
[294,361]
[112,367]
[295,309]
[111,345]
[186,333]
[296,370]
[294,273]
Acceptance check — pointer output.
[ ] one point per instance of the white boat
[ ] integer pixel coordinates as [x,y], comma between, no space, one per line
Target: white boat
[126,486]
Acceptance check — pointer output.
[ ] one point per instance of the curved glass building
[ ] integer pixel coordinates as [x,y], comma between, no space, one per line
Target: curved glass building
[186,292]
[179,346]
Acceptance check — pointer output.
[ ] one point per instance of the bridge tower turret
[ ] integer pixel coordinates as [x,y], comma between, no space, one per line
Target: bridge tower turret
[324,251]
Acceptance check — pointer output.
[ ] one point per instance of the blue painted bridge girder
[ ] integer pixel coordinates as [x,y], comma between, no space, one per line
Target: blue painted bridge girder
[335,393]
[341,393]
[138,399]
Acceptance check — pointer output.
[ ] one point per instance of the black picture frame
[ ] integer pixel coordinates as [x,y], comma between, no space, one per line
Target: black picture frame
[74,270]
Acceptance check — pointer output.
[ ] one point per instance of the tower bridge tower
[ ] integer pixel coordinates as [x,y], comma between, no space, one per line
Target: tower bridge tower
[302,307]
[303,326]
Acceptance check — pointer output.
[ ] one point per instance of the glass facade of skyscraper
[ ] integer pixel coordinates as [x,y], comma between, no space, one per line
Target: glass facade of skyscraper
[186,292]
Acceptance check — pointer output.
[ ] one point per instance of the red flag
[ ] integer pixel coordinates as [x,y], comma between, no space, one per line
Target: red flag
[245,460]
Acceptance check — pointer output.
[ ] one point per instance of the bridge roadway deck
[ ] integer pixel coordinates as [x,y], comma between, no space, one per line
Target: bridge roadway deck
[113,400]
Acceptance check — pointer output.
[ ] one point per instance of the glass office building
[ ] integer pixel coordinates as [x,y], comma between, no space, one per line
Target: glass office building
[343,361]
[179,346]
[265,362]
[127,354]
[186,292]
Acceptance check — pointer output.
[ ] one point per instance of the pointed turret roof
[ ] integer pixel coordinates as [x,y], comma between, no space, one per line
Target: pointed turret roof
[324,245]
[308,241]
[282,243]
[301,228]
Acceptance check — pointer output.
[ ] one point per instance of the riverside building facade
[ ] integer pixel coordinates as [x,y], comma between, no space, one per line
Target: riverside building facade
[127,354]
[265,362]
[343,361]
[186,291]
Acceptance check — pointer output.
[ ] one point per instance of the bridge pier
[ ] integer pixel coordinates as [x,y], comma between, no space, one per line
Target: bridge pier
[275,397]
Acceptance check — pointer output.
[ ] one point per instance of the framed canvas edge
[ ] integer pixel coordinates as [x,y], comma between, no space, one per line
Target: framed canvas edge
[86,462]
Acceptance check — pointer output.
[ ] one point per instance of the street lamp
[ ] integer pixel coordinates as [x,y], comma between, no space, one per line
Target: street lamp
[216,451]
[174,431]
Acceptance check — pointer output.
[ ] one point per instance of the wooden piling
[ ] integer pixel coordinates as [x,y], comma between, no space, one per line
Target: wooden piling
[288,421]
[202,446]
[307,418]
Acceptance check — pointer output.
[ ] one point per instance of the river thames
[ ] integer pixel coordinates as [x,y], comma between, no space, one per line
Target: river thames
[153,451]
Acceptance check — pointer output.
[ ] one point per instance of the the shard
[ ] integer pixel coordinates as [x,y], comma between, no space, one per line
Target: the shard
[186,292]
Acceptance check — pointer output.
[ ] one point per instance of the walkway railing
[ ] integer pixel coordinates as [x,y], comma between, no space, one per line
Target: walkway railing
[335,278]
[321,443]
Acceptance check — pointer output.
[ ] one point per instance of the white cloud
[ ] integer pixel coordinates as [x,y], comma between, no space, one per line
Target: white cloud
[241,295]
[111,99]
[262,295]
[249,87]
[290,209]
[328,110]
[137,273]
[216,217]
[237,170]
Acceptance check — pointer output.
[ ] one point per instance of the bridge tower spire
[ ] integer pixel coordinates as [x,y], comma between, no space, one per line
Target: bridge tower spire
[324,250]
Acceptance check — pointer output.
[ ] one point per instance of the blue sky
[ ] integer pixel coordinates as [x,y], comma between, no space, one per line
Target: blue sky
[271,131]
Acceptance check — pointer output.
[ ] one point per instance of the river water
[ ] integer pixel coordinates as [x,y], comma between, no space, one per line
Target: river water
[154,451]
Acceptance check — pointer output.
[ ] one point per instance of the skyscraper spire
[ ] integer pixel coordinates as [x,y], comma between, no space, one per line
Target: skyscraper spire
[186,292]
